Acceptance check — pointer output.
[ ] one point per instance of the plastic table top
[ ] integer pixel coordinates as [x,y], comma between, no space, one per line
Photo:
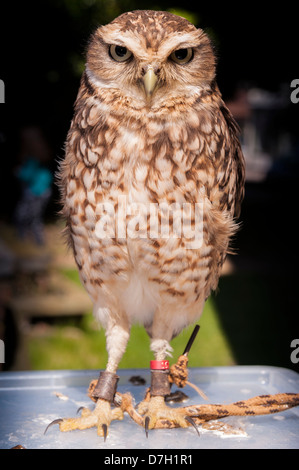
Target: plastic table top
[29,401]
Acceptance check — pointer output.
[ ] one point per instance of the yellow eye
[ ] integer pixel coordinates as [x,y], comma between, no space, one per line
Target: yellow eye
[119,53]
[182,56]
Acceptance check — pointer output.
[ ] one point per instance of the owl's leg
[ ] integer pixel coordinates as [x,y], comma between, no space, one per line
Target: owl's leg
[153,408]
[117,335]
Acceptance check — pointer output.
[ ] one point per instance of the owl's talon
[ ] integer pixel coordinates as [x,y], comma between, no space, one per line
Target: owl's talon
[100,418]
[105,431]
[85,411]
[191,421]
[146,424]
[155,411]
[56,421]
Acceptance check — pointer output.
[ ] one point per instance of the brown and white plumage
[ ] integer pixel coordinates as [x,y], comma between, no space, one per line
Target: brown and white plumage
[171,141]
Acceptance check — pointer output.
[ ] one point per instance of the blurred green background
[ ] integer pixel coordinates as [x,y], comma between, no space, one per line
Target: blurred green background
[45,316]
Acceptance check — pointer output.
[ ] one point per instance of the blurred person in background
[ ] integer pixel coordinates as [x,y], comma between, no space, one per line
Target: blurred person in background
[36,179]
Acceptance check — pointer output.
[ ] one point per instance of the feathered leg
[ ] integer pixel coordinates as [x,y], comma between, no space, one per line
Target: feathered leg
[117,335]
[153,407]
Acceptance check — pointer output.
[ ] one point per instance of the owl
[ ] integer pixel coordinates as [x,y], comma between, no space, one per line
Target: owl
[151,185]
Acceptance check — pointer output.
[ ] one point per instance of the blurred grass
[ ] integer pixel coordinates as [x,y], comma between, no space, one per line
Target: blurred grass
[79,343]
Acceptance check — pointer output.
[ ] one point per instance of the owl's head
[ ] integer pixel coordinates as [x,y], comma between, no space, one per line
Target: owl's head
[150,56]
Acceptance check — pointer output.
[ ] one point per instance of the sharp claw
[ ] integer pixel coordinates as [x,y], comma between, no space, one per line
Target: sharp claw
[146,423]
[56,421]
[105,428]
[190,420]
[79,409]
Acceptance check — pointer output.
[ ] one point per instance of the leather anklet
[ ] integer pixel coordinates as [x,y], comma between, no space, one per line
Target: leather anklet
[106,386]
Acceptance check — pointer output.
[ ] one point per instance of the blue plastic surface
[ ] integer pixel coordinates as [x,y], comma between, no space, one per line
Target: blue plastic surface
[31,400]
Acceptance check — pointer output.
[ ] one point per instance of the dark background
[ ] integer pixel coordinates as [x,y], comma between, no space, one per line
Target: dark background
[42,54]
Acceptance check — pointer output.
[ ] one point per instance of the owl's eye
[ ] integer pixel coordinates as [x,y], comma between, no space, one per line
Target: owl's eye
[182,56]
[119,53]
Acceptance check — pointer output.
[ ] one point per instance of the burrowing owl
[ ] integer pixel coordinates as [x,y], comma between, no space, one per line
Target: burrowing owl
[151,186]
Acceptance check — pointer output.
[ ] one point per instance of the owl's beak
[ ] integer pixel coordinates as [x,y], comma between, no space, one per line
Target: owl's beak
[149,80]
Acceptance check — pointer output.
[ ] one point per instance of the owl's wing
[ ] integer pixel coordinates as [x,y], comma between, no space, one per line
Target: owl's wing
[235,154]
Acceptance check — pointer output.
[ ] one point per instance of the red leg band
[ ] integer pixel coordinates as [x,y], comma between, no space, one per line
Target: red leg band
[159,365]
